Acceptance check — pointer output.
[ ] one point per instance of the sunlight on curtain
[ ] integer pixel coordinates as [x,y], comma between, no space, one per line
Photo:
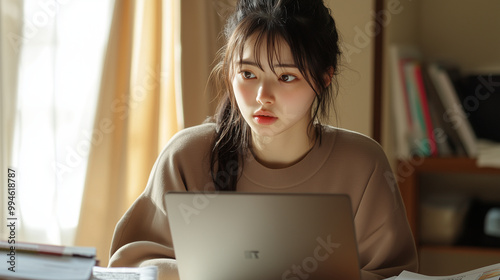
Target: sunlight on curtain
[62,47]
[10,26]
[139,97]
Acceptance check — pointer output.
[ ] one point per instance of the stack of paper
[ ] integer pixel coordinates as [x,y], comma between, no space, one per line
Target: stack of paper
[491,272]
[45,262]
[128,273]
[489,153]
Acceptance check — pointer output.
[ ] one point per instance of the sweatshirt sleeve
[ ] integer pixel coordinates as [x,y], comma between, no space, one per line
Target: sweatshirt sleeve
[142,236]
[385,241]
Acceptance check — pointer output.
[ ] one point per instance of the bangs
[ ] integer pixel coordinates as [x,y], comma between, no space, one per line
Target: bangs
[260,33]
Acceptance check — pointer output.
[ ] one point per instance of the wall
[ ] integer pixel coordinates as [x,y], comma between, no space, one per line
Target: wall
[463,32]
[354,103]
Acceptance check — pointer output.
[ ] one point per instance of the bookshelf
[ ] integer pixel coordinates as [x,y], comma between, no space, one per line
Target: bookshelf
[459,32]
[450,259]
[451,166]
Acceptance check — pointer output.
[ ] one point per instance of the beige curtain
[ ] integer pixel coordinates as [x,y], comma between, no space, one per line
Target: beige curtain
[11,12]
[143,102]
[201,24]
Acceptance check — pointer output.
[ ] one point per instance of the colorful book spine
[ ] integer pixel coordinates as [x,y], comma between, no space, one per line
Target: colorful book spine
[420,139]
[425,110]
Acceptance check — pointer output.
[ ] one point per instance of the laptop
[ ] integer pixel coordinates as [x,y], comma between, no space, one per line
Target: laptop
[240,236]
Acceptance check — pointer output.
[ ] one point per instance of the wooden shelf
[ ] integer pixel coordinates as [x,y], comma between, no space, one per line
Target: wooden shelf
[409,173]
[470,250]
[450,165]
[450,260]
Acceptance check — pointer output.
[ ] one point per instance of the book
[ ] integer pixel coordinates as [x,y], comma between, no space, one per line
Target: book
[491,272]
[400,105]
[46,262]
[428,117]
[418,141]
[428,124]
[446,137]
[414,128]
[454,112]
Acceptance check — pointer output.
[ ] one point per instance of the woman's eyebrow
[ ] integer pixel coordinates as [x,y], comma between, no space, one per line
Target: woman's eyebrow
[248,62]
[279,65]
[285,65]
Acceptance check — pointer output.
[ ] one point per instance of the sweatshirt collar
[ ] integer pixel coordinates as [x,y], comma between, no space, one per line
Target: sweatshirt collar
[293,175]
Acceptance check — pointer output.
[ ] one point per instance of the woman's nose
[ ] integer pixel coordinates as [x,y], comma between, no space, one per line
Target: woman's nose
[264,94]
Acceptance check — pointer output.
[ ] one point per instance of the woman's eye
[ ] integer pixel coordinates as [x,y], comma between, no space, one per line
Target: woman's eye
[247,75]
[287,78]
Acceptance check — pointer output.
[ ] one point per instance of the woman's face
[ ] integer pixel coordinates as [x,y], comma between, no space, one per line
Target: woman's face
[273,104]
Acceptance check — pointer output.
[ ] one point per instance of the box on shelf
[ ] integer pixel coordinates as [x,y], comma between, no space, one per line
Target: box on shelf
[443,218]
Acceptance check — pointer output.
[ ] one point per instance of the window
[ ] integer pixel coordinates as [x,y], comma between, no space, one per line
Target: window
[61,48]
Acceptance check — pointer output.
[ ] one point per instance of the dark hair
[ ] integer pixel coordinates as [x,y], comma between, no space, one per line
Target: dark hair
[309,30]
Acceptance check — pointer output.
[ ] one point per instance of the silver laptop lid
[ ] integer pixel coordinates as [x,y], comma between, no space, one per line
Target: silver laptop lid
[239,236]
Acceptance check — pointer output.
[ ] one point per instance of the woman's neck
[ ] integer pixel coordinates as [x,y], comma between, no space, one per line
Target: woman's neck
[281,151]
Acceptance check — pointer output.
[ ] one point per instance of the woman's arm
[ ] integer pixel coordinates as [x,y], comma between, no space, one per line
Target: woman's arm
[385,240]
[142,236]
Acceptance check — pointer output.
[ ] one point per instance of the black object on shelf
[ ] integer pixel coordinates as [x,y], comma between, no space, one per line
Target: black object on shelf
[474,234]
[480,97]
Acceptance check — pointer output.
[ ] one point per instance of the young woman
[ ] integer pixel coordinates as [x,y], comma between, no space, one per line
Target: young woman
[277,74]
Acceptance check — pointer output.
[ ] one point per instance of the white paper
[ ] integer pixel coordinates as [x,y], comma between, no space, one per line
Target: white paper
[489,153]
[491,272]
[125,273]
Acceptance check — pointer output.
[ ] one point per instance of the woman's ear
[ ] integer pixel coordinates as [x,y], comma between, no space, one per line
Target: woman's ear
[329,76]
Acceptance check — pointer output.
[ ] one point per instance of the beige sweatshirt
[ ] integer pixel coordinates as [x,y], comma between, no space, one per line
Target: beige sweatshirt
[345,162]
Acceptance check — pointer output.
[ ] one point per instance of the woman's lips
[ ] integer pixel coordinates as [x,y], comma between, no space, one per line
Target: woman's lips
[264,118]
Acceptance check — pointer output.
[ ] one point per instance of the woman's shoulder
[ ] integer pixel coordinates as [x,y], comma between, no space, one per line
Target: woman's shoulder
[194,134]
[191,140]
[352,142]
